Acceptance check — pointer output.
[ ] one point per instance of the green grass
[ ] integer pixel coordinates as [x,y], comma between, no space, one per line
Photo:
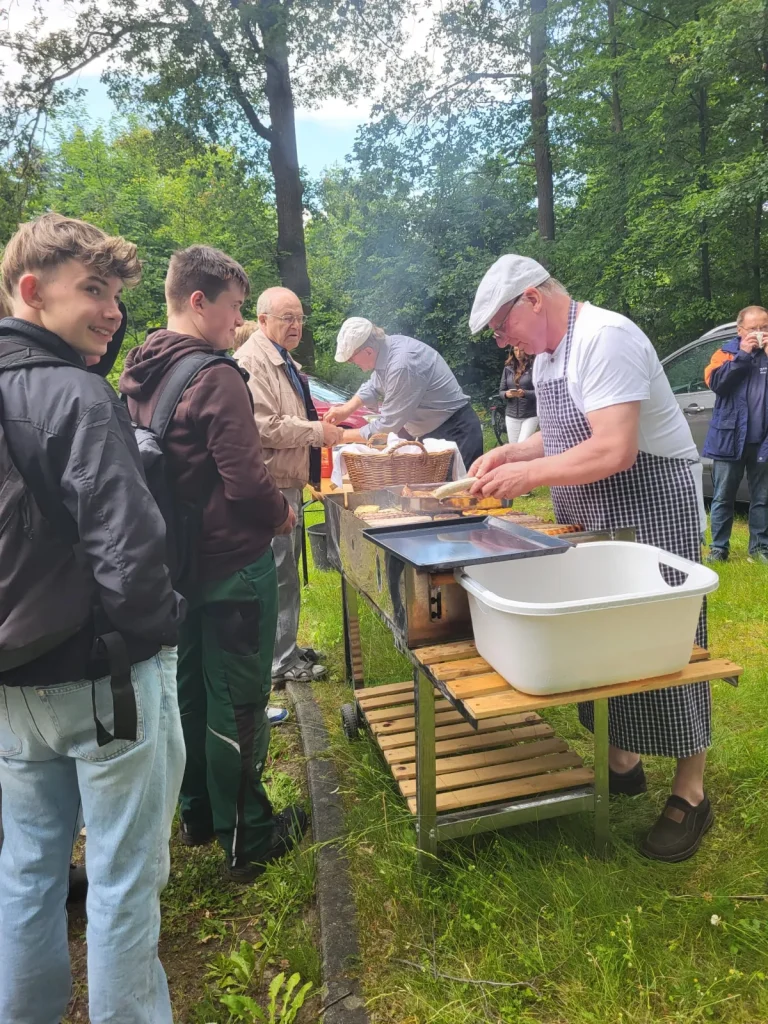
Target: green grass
[626,940]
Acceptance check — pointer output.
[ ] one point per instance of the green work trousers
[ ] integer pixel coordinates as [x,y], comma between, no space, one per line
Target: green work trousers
[224,678]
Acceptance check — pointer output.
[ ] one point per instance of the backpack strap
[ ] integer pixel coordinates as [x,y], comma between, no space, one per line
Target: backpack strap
[15,355]
[177,382]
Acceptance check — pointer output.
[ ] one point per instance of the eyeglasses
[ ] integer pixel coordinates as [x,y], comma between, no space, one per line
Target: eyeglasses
[498,331]
[289,318]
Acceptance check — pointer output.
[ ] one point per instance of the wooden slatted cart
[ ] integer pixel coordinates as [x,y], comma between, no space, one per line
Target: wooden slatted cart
[470,753]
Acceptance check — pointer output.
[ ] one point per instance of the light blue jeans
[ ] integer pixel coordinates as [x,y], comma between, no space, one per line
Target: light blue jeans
[49,763]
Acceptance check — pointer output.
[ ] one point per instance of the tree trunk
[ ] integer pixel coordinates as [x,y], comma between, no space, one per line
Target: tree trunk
[542,155]
[284,161]
[618,117]
[755,283]
[701,100]
[281,135]
[756,288]
[617,126]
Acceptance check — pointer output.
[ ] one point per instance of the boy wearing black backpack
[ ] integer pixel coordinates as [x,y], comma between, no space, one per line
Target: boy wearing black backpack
[214,464]
[88,624]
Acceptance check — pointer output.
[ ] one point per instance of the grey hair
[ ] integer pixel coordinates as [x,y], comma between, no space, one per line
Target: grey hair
[375,339]
[264,301]
[552,287]
[742,314]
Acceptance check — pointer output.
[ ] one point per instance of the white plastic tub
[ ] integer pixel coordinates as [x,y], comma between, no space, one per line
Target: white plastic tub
[600,613]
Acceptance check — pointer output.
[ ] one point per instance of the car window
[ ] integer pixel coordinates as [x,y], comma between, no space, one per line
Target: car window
[326,392]
[686,371]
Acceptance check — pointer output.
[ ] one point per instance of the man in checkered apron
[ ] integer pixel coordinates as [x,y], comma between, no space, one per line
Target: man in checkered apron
[616,451]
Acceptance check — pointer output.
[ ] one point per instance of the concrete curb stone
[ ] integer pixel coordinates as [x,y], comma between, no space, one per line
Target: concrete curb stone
[338,921]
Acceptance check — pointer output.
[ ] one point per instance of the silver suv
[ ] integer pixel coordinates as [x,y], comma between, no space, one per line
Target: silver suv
[685,370]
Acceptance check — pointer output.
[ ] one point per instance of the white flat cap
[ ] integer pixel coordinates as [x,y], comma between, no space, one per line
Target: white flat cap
[353,335]
[508,278]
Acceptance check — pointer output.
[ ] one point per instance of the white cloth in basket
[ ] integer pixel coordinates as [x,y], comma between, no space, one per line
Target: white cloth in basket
[432,444]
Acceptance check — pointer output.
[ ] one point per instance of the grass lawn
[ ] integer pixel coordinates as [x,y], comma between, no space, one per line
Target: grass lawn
[626,940]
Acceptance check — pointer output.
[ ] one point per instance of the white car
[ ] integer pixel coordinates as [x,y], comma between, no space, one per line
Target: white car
[685,370]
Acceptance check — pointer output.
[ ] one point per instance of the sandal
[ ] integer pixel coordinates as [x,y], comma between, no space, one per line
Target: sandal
[301,672]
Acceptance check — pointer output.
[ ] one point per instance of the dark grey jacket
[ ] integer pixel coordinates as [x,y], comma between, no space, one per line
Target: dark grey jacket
[71,439]
[518,408]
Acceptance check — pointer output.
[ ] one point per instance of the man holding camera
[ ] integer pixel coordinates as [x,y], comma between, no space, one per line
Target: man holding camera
[737,440]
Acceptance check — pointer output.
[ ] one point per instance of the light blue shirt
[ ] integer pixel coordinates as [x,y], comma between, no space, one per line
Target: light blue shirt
[411,386]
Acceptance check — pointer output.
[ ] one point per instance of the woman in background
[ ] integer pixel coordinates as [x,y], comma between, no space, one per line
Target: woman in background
[517,390]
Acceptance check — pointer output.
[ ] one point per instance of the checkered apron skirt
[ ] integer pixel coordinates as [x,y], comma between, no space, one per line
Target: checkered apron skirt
[658,497]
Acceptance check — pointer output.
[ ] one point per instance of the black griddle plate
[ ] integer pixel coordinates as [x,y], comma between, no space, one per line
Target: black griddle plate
[454,543]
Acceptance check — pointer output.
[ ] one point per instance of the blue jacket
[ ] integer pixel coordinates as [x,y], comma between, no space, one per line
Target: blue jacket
[727,375]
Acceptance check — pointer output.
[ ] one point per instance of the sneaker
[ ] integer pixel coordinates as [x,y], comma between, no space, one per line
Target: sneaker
[78,885]
[679,830]
[631,783]
[277,716]
[289,828]
[759,556]
[717,555]
[190,837]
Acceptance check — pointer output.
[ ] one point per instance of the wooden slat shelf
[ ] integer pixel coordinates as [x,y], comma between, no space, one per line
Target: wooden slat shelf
[518,789]
[384,691]
[407,711]
[447,652]
[511,700]
[506,757]
[498,773]
[477,741]
[461,729]
[485,758]
[466,649]
[447,724]
[509,753]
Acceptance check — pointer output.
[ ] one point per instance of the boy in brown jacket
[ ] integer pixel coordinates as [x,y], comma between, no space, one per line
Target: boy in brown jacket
[213,448]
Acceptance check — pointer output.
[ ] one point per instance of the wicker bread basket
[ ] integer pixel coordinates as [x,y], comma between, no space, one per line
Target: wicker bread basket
[369,472]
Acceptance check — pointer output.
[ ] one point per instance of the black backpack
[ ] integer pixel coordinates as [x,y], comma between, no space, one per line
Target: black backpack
[30,549]
[34,547]
[183,519]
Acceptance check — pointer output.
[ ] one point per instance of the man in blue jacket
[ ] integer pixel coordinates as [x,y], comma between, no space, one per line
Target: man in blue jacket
[737,439]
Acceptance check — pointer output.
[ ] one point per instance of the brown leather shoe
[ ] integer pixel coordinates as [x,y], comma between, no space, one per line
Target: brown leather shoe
[679,830]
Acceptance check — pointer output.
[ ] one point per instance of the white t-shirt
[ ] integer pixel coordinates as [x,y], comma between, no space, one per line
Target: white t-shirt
[612,362]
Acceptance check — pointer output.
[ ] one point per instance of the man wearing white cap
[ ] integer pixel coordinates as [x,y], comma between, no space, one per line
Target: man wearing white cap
[411,388]
[616,451]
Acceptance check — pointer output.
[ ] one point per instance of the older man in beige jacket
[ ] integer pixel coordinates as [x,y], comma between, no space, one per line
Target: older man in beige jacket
[282,403]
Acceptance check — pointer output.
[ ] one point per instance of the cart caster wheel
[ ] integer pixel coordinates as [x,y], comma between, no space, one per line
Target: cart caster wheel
[350,721]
